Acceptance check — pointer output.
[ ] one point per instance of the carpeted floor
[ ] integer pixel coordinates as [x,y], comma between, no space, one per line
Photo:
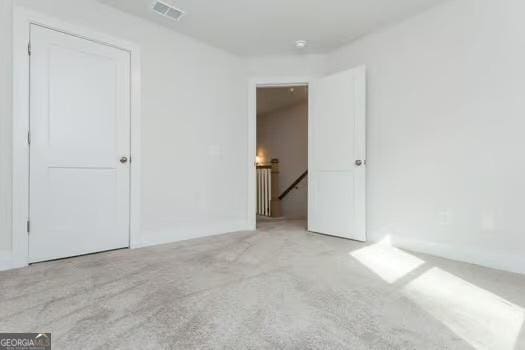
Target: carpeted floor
[279,287]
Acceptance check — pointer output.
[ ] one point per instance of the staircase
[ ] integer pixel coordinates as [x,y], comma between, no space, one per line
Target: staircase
[268,198]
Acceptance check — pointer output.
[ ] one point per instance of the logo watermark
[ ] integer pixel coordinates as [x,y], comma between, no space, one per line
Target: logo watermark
[25,341]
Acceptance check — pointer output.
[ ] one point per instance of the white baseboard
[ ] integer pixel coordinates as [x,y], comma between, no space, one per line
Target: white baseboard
[8,262]
[184,232]
[150,238]
[492,259]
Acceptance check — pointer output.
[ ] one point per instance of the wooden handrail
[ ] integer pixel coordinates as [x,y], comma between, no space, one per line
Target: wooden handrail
[295,183]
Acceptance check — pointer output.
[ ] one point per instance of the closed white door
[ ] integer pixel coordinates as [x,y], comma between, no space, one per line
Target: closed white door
[79,131]
[336,174]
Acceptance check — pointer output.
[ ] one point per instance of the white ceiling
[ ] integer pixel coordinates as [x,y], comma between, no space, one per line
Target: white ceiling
[274,98]
[257,27]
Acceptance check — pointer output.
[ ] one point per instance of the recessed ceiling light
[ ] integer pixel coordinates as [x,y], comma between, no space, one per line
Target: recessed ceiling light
[300,44]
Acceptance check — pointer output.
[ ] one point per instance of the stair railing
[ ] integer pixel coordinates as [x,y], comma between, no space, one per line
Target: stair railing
[268,203]
[293,185]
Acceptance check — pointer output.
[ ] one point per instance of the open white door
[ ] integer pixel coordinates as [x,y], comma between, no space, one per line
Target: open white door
[337,155]
[80,144]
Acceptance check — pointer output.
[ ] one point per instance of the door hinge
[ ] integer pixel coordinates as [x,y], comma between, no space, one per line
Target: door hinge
[29,137]
[29,48]
[28,226]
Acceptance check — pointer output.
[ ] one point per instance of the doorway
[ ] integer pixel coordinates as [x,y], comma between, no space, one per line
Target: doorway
[336,183]
[25,143]
[282,152]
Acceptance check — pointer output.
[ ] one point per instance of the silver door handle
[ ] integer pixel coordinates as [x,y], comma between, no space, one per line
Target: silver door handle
[124,160]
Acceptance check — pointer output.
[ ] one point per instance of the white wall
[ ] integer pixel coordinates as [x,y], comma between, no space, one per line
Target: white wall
[445,124]
[446,119]
[283,134]
[194,125]
[286,66]
[5,127]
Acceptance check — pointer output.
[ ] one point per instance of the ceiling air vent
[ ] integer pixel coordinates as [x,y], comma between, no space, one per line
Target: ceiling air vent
[164,9]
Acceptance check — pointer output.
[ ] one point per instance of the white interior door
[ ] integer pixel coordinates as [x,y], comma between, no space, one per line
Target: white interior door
[80,129]
[337,166]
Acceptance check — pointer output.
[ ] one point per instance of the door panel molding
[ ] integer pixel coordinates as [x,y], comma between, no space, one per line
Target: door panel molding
[337,155]
[22,21]
[80,128]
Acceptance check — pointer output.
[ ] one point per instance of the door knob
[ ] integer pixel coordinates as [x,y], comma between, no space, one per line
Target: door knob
[359,162]
[124,160]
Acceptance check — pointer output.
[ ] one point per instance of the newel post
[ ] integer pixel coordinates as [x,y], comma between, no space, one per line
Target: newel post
[275,203]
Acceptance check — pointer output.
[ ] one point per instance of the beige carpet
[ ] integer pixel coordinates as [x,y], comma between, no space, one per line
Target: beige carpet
[279,287]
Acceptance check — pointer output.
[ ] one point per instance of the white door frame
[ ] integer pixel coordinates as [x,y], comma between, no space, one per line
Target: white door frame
[22,21]
[252,132]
